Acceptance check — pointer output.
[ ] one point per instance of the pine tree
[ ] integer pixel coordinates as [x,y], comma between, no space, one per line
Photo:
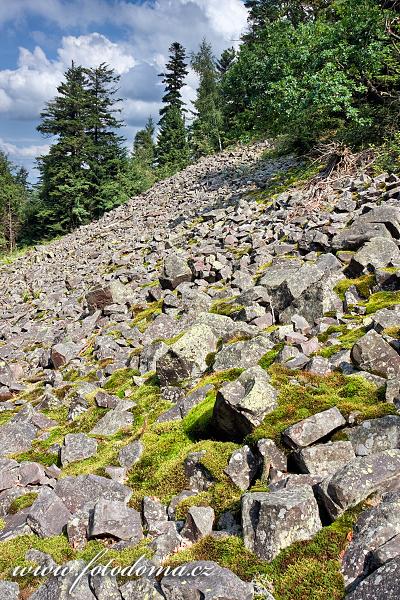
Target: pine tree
[63,172]
[141,174]
[106,157]
[227,59]
[172,147]
[13,199]
[207,125]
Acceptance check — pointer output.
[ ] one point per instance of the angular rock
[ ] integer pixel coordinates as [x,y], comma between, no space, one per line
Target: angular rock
[77,446]
[242,468]
[115,519]
[206,580]
[84,491]
[242,405]
[372,353]
[16,437]
[271,457]
[129,455]
[383,583]
[113,421]
[242,355]
[379,252]
[48,515]
[62,354]
[273,521]
[199,523]
[359,479]
[175,271]
[375,435]
[310,430]
[325,459]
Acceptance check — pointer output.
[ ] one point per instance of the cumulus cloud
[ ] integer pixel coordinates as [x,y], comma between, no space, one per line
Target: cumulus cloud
[18,152]
[141,35]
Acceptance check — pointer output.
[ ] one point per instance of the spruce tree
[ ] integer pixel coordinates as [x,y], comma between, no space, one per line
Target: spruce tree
[172,147]
[207,125]
[141,174]
[226,60]
[65,188]
[106,156]
[13,200]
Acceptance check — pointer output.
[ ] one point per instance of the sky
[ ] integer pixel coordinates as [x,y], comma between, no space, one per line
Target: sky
[40,38]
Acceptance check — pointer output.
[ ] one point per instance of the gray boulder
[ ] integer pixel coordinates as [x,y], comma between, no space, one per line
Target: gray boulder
[115,519]
[242,405]
[175,271]
[310,430]
[273,521]
[16,437]
[379,252]
[199,523]
[242,355]
[242,468]
[113,421]
[77,446]
[372,353]
[205,580]
[375,435]
[84,491]
[324,459]
[359,479]
[383,583]
[48,515]
[129,455]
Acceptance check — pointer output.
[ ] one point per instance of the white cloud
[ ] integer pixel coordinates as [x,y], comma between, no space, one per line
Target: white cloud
[31,151]
[89,50]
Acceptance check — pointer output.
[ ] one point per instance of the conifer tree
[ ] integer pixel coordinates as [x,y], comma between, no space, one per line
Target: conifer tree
[226,60]
[13,199]
[141,173]
[207,125]
[172,146]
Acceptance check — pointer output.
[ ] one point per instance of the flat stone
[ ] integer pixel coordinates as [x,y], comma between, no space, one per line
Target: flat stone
[48,515]
[129,455]
[115,519]
[113,421]
[372,353]
[383,583]
[16,437]
[325,459]
[375,435]
[84,491]
[310,430]
[77,446]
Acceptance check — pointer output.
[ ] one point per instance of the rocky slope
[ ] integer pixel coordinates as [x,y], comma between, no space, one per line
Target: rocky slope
[209,375]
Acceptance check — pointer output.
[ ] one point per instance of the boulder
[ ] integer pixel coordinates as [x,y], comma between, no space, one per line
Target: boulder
[379,252]
[205,580]
[59,587]
[373,530]
[115,519]
[84,491]
[48,515]
[324,459]
[243,404]
[16,437]
[273,521]
[187,357]
[375,435]
[9,590]
[140,589]
[310,430]
[199,477]
[271,458]
[129,455]
[113,421]
[383,583]
[77,446]
[62,354]
[242,355]
[372,353]
[242,468]
[175,271]
[154,512]
[359,479]
[199,523]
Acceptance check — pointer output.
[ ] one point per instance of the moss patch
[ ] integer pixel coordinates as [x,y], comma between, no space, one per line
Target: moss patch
[362,284]
[382,300]
[22,502]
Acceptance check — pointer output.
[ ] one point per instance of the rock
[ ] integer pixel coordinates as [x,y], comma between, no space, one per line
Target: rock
[113,421]
[175,271]
[310,430]
[372,353]
[105,400]
[62,354]
[154,512]
[140,589]
[385,553]
[77,446]
[129,455]
[353,237]
[242,355]
[273,521]
[379,252]
[150,355]
[16,437]
[199,523]
[105,588]
[58,588]
[243,404]
[77,529]
[200,479]
[31,473]
[9,590]
[383,583]
[359,479]
[188,356]
[375,435]
[115,519]
[114,292]
[374,528]
[242,468]
[9,473]
[318,366]
[206,580]
[271,457]
[84,491]
[325,459]
[385,318]
[48,515]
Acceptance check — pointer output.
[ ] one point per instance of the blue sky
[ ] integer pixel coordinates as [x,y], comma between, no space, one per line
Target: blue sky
[40,38]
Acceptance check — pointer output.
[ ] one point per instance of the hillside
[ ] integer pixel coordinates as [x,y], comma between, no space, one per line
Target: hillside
[209,374]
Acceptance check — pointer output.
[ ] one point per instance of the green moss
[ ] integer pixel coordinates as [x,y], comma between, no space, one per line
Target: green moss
[270,357]
[363,285]
[305,571]
[145,314]
[22,502]
[225,307]
[314,394]
[217,379]
[382,300]
[346,341]
[393,332]
[120,381]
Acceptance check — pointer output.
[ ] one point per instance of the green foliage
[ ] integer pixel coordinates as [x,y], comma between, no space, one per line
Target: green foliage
[382,300]
[336,72]
[172,146]
[22,502]
[206,128]
[14,194]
